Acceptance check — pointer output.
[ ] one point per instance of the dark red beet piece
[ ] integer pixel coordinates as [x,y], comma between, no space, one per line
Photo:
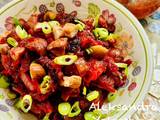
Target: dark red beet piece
[96,68]
[69,93]
[41,109]
[38,45]
[29,84]
[105,83]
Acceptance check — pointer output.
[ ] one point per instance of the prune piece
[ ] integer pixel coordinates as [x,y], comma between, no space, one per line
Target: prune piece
[111,28]
[40,17]
[74,45]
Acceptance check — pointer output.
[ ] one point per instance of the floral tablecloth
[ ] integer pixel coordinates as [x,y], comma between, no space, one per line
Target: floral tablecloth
[152,99]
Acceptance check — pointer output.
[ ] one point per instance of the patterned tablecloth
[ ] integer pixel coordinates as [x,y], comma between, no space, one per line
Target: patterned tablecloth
[152,27]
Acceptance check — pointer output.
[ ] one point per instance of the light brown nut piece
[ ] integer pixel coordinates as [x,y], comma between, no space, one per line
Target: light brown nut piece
[70,30]
[57,31]
[81,66]
[59,43]
[73,81]
[98,51]
[36,71]
[16,53]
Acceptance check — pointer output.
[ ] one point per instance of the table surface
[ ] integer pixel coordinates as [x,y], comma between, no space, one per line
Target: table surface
[152,27]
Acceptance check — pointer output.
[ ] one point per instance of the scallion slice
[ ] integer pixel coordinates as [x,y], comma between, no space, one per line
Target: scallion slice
[21,32]
[4,82]
[65,59]
[81,26]
[46,117]
[46,28]
[11,95]
[45,85]
[92,95]
[75,110]
[112,96]
[101,33]
[16,22]
[11,41]
[121,65]
[64,108]
[25,103]
[84,90]
[89,116]
[54,23]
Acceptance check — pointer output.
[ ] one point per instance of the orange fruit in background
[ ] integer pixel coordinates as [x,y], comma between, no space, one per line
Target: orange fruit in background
[141,8]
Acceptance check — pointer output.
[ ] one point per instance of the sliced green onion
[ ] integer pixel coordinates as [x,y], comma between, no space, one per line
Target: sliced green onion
[89,51]
[21,32]
[25,103]
[112,96]
[81,26]
[65,59]
[95,115]
[99,114]
[101,33]
[112,36]
[92,95]
[84,90]
[75,110]
[46,117]
[126,71]
[54,23]
[11,95]
[96,20]
[45,85]
[121,65]
[64,108]
[11,41]
[16,22]
[120,76]
[4,82]
[89,116]
[46,28]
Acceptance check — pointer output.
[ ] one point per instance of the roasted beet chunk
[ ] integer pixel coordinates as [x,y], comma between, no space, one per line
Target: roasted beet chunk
[105,83]
[41,109]
[30,84]
[38,45]
[16,53]
[96,68]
